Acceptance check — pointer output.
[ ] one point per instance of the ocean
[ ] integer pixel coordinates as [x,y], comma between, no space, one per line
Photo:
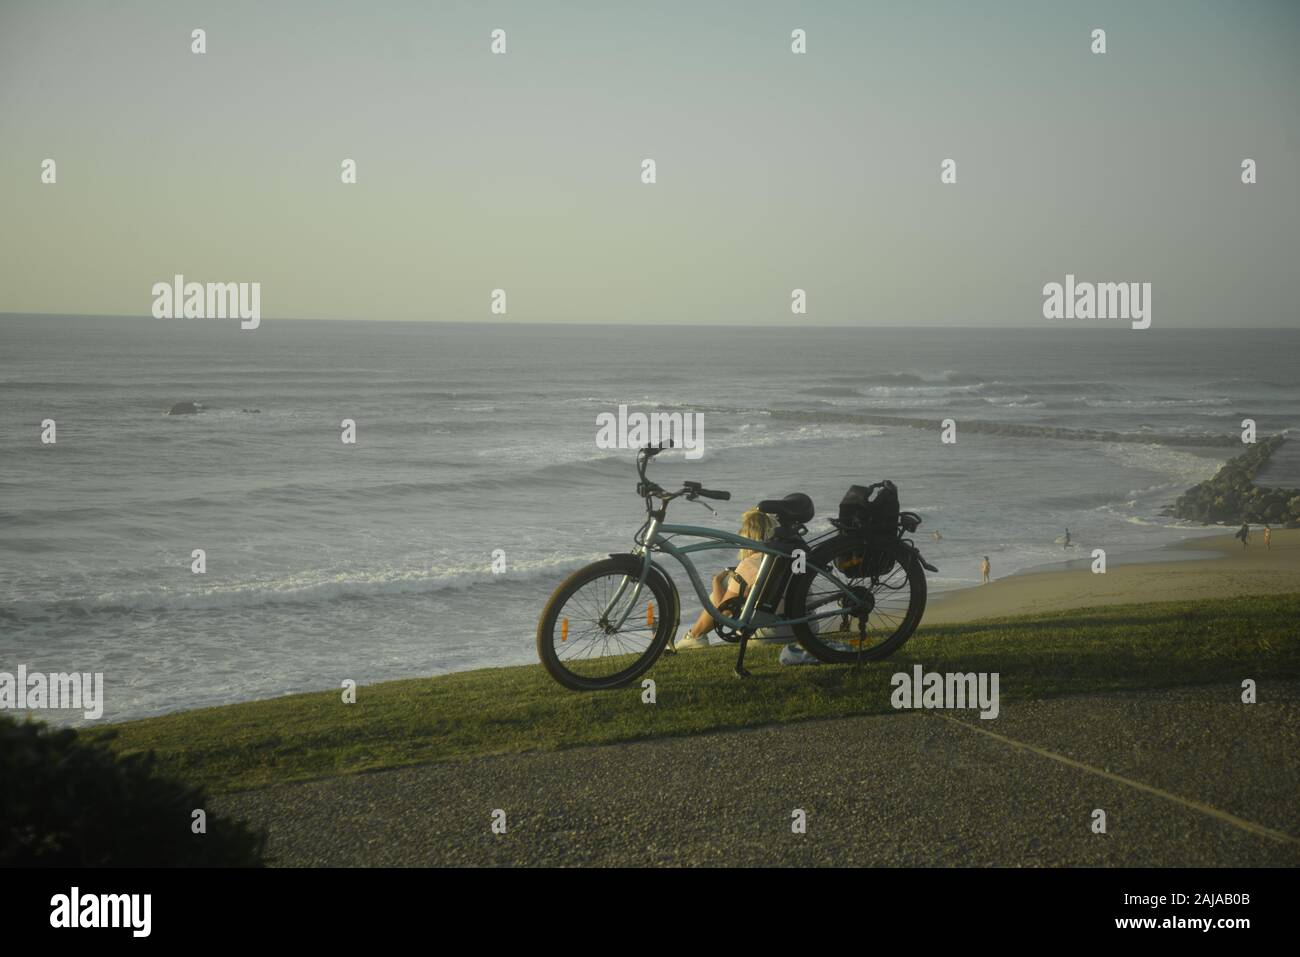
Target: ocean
[373,561]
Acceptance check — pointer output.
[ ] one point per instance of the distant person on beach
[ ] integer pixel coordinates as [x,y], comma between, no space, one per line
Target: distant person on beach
[936,536]
[1244,534]
[1268,536]
[984,570]
[1067,538]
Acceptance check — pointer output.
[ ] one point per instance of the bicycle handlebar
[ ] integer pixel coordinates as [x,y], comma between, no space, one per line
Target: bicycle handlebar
[695,490]
[692,490]
[648,488]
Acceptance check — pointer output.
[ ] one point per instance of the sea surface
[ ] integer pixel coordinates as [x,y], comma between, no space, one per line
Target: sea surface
[328,561]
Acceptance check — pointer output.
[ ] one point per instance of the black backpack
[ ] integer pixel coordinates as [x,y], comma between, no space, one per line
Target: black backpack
[871,512]
[871,508]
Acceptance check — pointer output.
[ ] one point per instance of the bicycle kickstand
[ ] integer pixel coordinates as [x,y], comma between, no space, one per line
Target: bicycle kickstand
[740,661]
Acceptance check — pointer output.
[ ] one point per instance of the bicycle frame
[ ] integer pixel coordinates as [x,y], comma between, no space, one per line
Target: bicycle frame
[656,539]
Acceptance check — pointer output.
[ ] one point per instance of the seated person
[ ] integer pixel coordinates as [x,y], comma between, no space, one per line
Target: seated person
[733,583]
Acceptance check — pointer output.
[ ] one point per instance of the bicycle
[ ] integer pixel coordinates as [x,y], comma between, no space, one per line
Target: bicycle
[607,623]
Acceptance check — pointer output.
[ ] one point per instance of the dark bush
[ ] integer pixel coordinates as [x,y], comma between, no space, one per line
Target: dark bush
[67,802]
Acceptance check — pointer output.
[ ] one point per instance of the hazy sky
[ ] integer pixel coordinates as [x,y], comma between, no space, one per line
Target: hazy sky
[775,171]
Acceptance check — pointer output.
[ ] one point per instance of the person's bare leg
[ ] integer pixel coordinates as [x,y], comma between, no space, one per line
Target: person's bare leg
[704,623]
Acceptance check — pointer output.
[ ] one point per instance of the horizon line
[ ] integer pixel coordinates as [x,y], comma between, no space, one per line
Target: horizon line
[1080,325]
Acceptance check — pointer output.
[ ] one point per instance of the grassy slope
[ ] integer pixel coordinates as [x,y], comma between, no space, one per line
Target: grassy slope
[517,709]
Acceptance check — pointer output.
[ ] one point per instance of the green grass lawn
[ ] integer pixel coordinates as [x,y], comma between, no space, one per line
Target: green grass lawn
[514,709]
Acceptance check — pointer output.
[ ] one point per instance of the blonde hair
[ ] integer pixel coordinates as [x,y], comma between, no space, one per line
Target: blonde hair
[758,526]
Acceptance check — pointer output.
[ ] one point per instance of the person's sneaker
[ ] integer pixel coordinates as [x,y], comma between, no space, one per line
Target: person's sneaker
[686,642]
[794,654]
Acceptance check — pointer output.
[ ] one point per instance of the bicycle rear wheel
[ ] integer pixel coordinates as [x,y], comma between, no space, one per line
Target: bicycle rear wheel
[886,599]
[600,630]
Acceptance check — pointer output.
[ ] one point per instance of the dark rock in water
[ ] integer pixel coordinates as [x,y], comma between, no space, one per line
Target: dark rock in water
[185,408]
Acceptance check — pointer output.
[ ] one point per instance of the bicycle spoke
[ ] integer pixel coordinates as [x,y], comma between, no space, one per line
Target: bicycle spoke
[594,648]
[838,620]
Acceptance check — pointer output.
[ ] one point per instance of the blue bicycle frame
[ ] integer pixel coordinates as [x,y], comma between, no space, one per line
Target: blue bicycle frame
[657,539]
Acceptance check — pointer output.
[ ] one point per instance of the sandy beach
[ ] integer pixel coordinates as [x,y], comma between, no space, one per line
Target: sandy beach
[1233,572]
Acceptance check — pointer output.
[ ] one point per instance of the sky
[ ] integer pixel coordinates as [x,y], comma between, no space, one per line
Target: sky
[775,171]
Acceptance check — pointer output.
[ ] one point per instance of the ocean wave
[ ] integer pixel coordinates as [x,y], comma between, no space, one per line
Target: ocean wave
[999,388]
[900,403]
[298,590]
[1067,388]
[1019,430]
[1148,403]
[805,403]
[892,378]
[874,378]
[1177,524]
[1082,500]
[829,390]
[1182,469]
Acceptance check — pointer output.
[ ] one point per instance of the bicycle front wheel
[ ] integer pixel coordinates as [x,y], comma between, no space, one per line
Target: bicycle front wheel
[871,607]
[601,629]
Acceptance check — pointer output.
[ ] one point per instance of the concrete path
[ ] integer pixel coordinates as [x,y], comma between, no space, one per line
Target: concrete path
[1190,777]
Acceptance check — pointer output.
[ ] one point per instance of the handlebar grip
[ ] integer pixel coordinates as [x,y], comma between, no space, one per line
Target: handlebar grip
[710,493]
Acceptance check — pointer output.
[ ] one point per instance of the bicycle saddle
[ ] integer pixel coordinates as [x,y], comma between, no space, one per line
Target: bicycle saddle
[795,507]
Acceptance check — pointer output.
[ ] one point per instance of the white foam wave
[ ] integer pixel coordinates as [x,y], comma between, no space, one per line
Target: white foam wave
[307,589]
[1181,468]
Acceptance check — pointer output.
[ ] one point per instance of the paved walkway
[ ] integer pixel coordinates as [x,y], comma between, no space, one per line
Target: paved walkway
[1187,778]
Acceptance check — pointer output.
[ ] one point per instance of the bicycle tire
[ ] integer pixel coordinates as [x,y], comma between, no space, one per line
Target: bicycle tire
[827,555]
[664,596]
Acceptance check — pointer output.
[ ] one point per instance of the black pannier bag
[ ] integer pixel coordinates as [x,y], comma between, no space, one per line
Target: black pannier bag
[871,511]
[871,508]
